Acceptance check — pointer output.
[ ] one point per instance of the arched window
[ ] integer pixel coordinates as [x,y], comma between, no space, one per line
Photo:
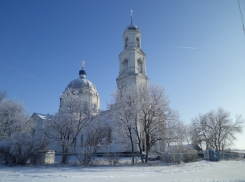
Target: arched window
[139,66]
[126,43]
[125,66]
[137,42]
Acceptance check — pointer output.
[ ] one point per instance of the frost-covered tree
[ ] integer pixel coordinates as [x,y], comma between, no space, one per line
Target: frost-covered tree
[123,113]
[216,129]
[16,129]
[98,138]
[155,114]
[74,115]
[13,118]
[175,130]
[24,146]
[144,111]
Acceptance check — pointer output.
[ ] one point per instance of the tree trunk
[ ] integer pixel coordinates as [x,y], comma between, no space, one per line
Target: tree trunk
[147,147]
[64,155]
[132,143]
[132,150]
[140,148]
[146,156]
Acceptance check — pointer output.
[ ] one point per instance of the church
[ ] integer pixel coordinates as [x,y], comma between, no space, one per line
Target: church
[132,71]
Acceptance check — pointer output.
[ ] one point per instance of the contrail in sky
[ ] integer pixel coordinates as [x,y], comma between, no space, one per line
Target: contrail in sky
[26,74]
[177,47]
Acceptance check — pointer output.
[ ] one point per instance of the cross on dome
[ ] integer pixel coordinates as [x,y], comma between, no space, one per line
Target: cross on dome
[83,64]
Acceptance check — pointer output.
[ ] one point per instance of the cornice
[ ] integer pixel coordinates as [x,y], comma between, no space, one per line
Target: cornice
[130,50]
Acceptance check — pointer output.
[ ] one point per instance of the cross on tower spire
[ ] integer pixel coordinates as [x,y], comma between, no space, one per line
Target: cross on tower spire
[131,17]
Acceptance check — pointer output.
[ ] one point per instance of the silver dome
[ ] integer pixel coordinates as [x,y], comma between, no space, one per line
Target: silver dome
[81,83]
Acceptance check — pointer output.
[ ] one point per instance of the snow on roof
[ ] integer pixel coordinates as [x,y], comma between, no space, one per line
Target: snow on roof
[42,116]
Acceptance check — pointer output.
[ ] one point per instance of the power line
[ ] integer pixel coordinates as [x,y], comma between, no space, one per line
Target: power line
[241,15]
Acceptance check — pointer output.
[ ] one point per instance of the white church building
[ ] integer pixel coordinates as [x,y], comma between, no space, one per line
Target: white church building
[132,71]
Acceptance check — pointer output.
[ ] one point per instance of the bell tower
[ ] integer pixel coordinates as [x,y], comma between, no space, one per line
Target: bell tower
[132,60]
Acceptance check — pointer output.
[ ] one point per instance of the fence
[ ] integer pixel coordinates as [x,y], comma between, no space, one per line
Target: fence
[211,155]
[126,159]
[231,156]
[100,158]
[118,158]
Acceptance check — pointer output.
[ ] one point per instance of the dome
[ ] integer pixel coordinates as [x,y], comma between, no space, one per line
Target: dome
[81,83]
[83,88]
[132,27]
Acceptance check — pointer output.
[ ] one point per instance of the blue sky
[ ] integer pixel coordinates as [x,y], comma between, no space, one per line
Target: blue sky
[195,49]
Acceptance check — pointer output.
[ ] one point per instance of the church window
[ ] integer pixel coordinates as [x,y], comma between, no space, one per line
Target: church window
[139,66]
[126,43]
[125,66]
[32,133]
[137,42]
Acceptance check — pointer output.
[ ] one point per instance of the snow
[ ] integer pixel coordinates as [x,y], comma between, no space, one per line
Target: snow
[42,116]
[201,171]
[239,151]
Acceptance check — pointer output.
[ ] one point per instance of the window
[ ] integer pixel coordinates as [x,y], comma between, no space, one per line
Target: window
[126,43]
[139,66]
[32,133]
[125,66]
[137,42]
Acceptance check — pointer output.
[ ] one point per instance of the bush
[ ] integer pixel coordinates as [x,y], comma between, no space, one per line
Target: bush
[177,158]
[23,147]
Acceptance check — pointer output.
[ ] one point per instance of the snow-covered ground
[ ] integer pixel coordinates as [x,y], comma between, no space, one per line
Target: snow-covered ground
[202,171]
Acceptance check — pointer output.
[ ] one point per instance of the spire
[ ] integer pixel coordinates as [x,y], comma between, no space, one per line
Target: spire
[82,72]
[131,17]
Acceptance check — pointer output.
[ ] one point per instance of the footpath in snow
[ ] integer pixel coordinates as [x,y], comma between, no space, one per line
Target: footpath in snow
[202,171]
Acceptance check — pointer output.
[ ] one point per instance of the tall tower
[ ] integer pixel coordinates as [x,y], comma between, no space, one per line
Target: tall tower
[132,60]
